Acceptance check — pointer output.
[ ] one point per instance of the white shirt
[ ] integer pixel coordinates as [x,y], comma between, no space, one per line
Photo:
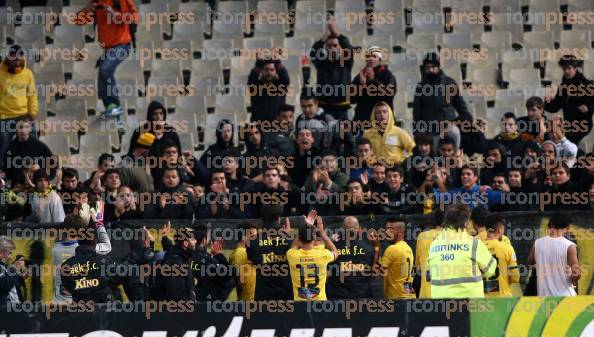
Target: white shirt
[552,270]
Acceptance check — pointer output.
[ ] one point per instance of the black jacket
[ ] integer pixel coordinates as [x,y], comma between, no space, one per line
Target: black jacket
[267,96]
[332,73]
[9,281]
[351,274]
[136,286]
[570,95]
[214,154]
[432,102]
[259,155]
[87,277]
[401,201]
[171,210]
[213,275]
[381,88]
[178,283]
[168,134]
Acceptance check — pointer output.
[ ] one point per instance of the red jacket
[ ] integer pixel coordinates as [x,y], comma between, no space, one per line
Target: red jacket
[112,27]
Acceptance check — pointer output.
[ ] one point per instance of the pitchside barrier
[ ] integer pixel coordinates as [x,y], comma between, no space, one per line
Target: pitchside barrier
[490,317]
[35,241]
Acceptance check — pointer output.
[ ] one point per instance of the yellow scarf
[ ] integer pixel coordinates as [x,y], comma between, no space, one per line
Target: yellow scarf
[43,194]
[507,136]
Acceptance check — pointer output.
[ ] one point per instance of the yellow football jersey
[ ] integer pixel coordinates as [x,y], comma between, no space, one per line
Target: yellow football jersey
[309,270]
[507,268]
[246,284]
[482,235]
[422,254]
[398,259]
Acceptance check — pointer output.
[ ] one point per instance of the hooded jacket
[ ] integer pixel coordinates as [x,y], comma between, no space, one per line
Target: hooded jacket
[434,101]
[389,146]
[381,88]
[260,154]
[168,133]
[333,73]
[214,154]
[18,95]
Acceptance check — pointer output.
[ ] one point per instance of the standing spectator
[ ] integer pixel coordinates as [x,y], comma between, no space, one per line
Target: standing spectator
[321,123]
[390,143]
[556,260]
[106,161]
[268,84]
[564,193]
[115,21]
[495,162]
[135,168]
[190,169]
[566,150]
[574,97]
[26,151]
[172,200]
[533,126]
[305,152]
[222,203]
[333,56]
[470,193]
[279,137]
[178,286]
[375,83]
[235,181]
[18,96]
[510,137]
[70,189]
[156,125]
[9,278]
[224,146]
[437,99]
[46,206]
[400,196]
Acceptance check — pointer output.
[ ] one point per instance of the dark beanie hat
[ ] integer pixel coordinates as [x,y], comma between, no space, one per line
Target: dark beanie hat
[431,58]
[569,60]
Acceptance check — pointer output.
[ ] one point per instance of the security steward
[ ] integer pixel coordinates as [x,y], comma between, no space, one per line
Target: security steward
[87,275]
[457,261]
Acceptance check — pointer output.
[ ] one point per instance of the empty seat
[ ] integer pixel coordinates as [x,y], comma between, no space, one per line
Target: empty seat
[464,6]
[264,26]
[218,49]
[95,144]
[524,78]
[515,60]
[509,97]
[541,22]
[506,22]
[232,104]
[456,41]
[407,82]
[553,72]
[189,32]
[580,5]
[423,22]
[394,28]
[59,144]
[575,39]
[536,41]
[53,71]
[70,33]
[191,104]
[258,43]
[206,68]
[388,6]
[228,30]
[427,6]
[163,86]
[451,67]
[351,16]
[30,34]
[503,6]
[497,41]
[422,42]
[208,87]
[300,45]
[310,18]
[405,61]
[200,10]
[182,50]
[166,68]
[544,6]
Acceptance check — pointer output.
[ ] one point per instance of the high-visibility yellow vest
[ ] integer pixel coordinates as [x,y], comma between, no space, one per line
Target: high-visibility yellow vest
[457,263]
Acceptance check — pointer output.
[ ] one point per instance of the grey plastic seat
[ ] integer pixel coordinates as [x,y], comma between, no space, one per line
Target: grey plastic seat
[524,78]
[195,105]
[387,6]
[70,33]
[427,6]
[201,13]
[500,22]
[96,144]
[298,45]
[218,49]
[404,61]
[166,68]
[394,28]
[575,39]
[544,6]
[30,34]
[59,144]
[456,41]
[185,50]
[497,41]
[464,6]
[208,87]
[344,10]
[53,71]
[536,41]
[580,5]
[515,60]
[257,43]
[228,30]
[310,18]
[206,68]
[509,97]
[422,42]
[407,81]
[503,6]
[189,32]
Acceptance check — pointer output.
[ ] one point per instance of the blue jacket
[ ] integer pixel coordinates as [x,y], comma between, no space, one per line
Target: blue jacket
[471,197]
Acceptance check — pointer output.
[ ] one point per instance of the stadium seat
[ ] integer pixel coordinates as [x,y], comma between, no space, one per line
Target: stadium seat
[218,49]
[404,61]
[544,6]
[191,104]
[166,68]
[536,41]
[484,76]
[201,13]
[503,22]
[504,6]
[553,72]
[30,34]
[299,45]
[540,22]
[575,39]
[423,22]
[427,6]
[231,104]
[147,10]
[580,6]
[407,82]
[509,97]
[187,141]
[258,43]
[182,50]
[152,34]
[456,41]
[189,32]
[53,71]
[228,30]
[524,78]
[421,42]
[351,17]
[497,41]
[464,6]
[241,66]
[172,5]
[94,51]
[451,67]
[59,144]
[206,68]
[95,144]
[389,6]
[515,60]
[395,28]
[208,87]
[310,18]
[479,103]
[266,27]
[163,86]
[589,69]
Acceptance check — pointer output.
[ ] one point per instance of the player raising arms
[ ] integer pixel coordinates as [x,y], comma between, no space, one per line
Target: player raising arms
[309,264]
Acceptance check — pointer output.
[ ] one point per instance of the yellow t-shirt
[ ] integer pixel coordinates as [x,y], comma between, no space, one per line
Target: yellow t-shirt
[309,270]
[422,254]
[398,259]
[507,267]
[246,284]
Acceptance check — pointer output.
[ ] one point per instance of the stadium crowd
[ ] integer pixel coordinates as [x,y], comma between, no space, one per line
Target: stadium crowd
[318,163]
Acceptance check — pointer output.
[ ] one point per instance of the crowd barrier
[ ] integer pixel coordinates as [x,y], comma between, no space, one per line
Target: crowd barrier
[489,317]
[522,229]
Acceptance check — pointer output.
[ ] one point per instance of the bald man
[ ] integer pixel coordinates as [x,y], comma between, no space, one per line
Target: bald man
[350,275]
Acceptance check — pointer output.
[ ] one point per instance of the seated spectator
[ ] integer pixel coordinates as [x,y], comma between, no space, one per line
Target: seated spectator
[471,193]
[257,154]
[106,161]
[134,168]
[46,206]
[279,137]
[332,56]
[358,199]
[26,151]
[268,84]
[577,108]
[224,146]
[401,198]
[495,162]
[509,137]
[533,127]
[125,205]
[322,125]
[191,170]
[377,183]
[450,158]
[68,189]
[437,99]
[18,99]
[270,191]
[305,152]
[421,160]
[364,158]
[326,177]
[155,124]
[172,201]
[566,150]
[235,181]
[375,83]
[390,143]
[221,203]
[564,194]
